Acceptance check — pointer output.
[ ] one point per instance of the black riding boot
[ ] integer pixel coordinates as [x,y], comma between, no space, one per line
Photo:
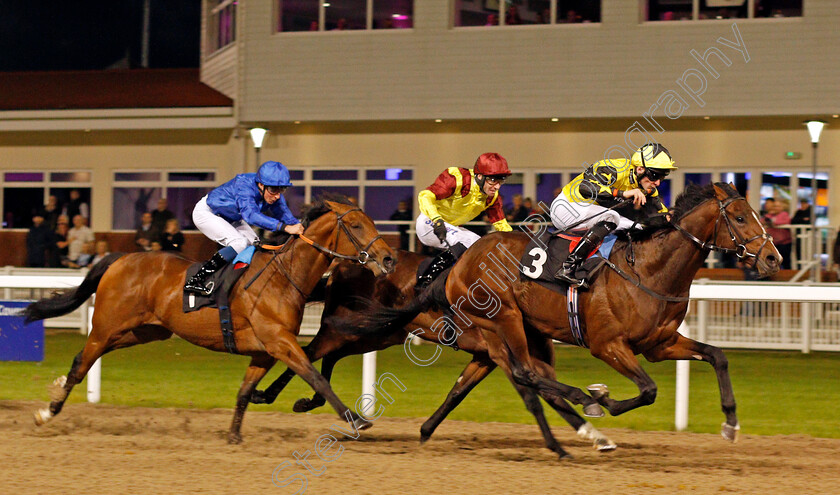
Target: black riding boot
[196,282]
[587,244]
[441,263]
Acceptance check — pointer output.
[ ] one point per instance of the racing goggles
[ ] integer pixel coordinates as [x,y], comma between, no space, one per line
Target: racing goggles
[655,174]
[275,189]
[496,179]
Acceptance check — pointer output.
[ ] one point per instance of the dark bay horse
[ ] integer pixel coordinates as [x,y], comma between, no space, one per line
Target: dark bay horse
[349,282]
[139,300]
[632,309]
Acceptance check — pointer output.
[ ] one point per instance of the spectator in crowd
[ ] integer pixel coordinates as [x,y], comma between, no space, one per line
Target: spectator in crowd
[492,20]
[161,214]
[403,213]
[146,233]
[517,211]
[512,17]
[58,254]
[765,207]
[51,212]
[172,238]
[775,218]
[77,237]
[801,217]
[835,258]
[39,242]
[85,257]
[102,250]
[156,246]
[76,206]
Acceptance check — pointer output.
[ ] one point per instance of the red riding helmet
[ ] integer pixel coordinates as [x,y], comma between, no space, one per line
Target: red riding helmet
[491,164]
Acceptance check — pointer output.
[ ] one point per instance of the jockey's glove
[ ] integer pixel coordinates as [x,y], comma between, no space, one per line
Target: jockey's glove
[440,229]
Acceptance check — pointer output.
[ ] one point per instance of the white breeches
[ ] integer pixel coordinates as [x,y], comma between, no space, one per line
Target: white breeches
[237,235]
[565,213]
[454,235]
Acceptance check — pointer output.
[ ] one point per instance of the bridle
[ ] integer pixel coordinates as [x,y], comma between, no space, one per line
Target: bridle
[362,257]
[740,250]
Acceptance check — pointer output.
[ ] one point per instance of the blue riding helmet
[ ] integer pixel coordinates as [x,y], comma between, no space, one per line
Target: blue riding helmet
[274,174]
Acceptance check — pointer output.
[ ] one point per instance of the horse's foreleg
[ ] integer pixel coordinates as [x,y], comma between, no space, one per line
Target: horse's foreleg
[621,358]
[476,370]
[289,351]
[257,369]
[686,348]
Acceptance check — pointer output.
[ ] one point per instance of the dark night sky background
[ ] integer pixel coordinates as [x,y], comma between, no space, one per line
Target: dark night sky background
[96,34]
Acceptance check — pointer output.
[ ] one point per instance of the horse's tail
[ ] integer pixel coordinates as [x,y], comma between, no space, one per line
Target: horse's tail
[378,320]
[64,302]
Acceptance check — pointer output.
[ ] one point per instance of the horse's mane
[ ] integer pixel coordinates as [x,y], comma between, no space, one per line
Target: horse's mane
[320,206]
[691,197]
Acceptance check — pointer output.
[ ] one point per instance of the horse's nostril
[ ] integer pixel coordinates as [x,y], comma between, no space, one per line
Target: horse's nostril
[771,260]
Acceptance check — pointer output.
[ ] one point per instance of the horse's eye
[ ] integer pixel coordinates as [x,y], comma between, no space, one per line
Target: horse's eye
[355,225]
[739,219]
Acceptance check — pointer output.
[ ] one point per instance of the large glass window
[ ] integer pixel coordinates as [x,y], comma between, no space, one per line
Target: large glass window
[518,12]
[25,193]
[221,24]
[343,15]
[136,192]
[682,10]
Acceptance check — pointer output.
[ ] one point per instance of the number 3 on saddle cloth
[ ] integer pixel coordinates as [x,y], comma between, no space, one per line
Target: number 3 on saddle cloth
[545,254]
[223,280]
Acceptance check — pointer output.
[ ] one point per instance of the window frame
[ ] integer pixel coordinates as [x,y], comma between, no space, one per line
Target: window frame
[47,184]
[322,19]
[695,14]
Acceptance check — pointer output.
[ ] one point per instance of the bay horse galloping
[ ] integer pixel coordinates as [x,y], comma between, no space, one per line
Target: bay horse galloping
[139,300]
[633,308]
[347,292]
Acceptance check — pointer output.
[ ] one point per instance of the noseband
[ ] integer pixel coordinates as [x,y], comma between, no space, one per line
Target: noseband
[740,250]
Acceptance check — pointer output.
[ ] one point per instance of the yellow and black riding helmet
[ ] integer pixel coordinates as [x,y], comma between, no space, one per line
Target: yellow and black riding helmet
[656,159]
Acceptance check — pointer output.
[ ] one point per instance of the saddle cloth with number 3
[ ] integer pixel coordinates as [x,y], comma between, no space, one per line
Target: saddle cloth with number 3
[546,253]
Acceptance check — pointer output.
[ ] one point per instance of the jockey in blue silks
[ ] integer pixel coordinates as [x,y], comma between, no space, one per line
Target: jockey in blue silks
[225,213]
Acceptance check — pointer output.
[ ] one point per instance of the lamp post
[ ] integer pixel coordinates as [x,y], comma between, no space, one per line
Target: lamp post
[257,136]
[815,128]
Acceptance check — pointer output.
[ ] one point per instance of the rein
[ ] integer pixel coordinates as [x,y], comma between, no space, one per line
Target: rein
[362,257]
[740,249]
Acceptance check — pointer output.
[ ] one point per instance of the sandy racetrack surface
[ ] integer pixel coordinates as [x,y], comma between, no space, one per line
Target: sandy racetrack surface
[108,449]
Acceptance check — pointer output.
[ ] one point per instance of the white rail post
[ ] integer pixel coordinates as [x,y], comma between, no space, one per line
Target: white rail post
[681,399]
[94,376]
[369,373]
[807,322]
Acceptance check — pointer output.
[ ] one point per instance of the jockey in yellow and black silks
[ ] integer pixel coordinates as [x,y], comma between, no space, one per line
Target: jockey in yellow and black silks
[585,202]
[457,196]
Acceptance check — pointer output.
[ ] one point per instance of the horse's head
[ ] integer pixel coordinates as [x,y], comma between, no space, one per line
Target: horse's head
[732,226]
[348,233]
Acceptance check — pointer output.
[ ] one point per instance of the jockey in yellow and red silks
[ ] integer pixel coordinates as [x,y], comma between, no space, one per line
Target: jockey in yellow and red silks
[586,202]
[457,196]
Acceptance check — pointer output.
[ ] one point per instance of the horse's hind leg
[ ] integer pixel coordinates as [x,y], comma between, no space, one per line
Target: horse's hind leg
[317,400]
[257,369]
[476,370]
[98,343]
[686,348]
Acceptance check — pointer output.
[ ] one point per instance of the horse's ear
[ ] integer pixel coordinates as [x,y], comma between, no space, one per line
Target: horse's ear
[721,193]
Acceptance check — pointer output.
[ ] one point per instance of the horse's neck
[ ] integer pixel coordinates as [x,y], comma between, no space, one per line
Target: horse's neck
[668,264]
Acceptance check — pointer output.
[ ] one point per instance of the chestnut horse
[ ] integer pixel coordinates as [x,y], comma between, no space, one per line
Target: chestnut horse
[348,283]
[139,300]
[633,308]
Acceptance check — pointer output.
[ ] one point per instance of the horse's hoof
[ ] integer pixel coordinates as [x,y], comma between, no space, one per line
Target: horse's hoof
[598,391]
[604,444]
[730,432]
[424,439]
[56,389]
[234,438]
[593,411]
[362,424]
[563,455]
[42,416]
[305,405]
[258,397]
